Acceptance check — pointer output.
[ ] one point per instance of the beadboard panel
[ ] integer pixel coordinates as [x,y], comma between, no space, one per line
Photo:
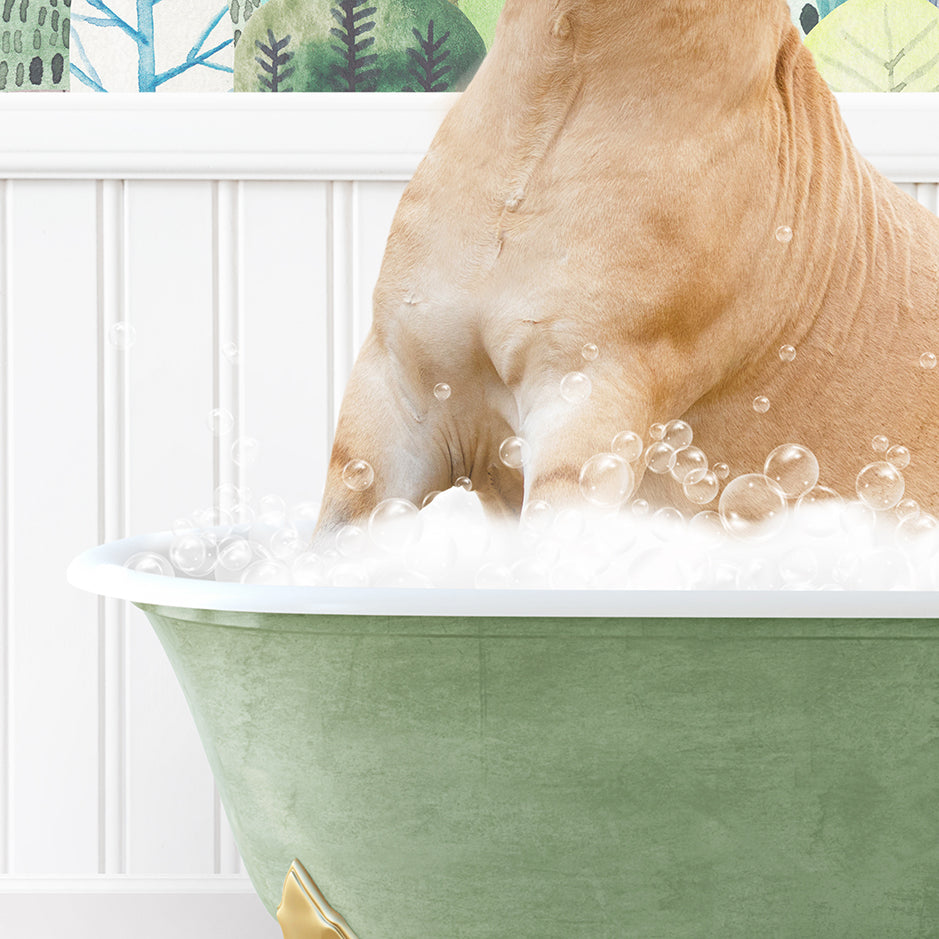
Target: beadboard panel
[248,291]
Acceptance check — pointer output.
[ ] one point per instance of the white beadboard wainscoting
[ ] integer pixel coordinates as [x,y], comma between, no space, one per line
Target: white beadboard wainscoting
[201,221]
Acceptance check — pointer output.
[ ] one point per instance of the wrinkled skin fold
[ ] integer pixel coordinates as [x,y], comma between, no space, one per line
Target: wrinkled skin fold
[616,174]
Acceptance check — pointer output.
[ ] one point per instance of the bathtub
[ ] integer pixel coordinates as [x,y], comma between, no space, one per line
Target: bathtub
[428,764]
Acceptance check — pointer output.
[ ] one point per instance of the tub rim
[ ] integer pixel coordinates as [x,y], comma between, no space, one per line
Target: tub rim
[100,570]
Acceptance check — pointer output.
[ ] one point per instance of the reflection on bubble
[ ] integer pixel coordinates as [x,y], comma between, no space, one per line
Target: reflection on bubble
[689,461]
[606,480]
[784,234]
[677,435]
[880,443]
[793,468]
[575,387]
[927,360]
[880,486]
[358,475]
[787,353]
[753,507]
[442,391]
[149,562]
[394,524]
[701,488]
[659,457]
[761,404]
[628,445]
[899,457]
[589,351]
[514,452]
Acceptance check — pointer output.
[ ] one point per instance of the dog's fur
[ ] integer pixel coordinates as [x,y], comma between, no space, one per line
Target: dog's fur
[615,174]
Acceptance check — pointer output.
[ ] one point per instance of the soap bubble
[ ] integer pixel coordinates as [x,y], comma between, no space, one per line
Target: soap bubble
[464,482]
[576,387]
[442,391]
[537,516]
[761,404]
[272,508]
[753,506]
[659,457]
[182,525]
[927,360]
[656,431]
[213,517]
[220,421]
[149,562]
[122,336]
[514,452]
[304,515]
[880,443]
[351,541]
[721,470]
[787,353]
[798,566]
[818,511]
[242,514]
[358,475]
[701,488]
[668,523]
[286,543]
[192,554]
[707,528]
[677,435]
[231,352]
[606,480]
[899,457]
[880,486]
[308,570]
[226,495]
[784,234]
[907,508]
[639,508]
[689,461]
[793,468]
[395,524]
[244,451]
[589,351]
[235,554]
[916,527]
[628,445]
[266,572]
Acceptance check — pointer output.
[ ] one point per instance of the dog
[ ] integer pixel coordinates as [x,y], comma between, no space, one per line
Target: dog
[671,182]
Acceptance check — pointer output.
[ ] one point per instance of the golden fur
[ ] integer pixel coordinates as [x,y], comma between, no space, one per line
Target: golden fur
[615,174]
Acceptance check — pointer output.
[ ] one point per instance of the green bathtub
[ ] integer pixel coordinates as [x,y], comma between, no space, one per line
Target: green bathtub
[472,765]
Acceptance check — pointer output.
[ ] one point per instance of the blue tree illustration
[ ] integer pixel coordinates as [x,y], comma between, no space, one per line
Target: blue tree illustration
[148,79]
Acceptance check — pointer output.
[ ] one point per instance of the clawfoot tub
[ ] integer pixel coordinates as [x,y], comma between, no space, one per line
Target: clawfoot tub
[428,764]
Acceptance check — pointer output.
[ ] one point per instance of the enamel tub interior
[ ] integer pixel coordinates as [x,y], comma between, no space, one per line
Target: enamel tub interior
[552,764]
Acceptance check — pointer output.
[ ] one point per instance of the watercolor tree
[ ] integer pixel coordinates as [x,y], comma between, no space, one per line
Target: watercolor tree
[358,45]
[878,45]
[34,44]
[141,40]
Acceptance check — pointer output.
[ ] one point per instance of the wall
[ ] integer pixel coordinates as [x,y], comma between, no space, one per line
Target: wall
[167,217]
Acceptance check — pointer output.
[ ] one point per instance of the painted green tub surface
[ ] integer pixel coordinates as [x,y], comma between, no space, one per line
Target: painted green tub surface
[541,777]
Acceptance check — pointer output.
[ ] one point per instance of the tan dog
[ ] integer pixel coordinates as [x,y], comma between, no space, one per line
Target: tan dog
[616,174]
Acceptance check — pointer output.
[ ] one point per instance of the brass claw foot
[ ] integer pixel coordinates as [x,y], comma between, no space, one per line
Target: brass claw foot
[304,913]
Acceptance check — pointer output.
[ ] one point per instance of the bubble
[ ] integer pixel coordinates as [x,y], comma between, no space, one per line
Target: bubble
[286,543]
[266,572]
[668,523]
[220,421]
[226,495]
[514,452]
[214,517]
[659,457]
[351,541]
[149,562]
[242,514]
[721,470]
[245,450]
[880,443]
[677,435]
[576,387]
[394,524]
[899,457]
[914,528]
[589,351]
[442,391]
[689,461]
[464,482]
[358,475]
[639,508]
[232,353]
[784,234]
[701,489]
[429,498]
[927,360]
[656,431]
[537,516]
[192,554]
[753,507]
[272,507]
[907,508]
[235,554]
[122,336]
[818,511]
[308,570]
[707,527]
[793,468]
[798,566]
[606,480]
[787,353]
[761,404]
[880,486]
[182,525]
[304,515]
[628,445]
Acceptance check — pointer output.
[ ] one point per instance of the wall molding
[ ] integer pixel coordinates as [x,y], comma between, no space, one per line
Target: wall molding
[328,136]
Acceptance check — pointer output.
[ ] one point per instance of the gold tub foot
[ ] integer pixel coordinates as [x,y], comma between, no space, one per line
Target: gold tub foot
[304,913]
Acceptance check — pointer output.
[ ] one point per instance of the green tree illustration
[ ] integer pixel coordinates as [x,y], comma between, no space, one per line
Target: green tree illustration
[428,67]
[354,71]
[273,62]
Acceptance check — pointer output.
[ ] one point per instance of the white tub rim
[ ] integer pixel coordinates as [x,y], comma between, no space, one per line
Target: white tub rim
[100,570]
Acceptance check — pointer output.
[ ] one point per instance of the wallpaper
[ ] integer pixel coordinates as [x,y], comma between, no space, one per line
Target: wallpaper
[376,45]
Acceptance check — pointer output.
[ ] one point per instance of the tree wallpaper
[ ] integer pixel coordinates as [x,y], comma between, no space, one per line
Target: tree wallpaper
[277,46]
